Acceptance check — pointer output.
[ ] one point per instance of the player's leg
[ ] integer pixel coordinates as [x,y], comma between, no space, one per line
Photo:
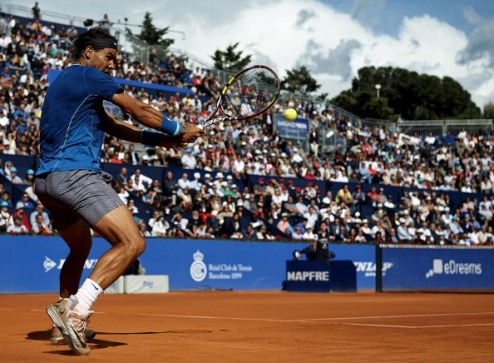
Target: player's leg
[77,236]
[69,325]
[120,230]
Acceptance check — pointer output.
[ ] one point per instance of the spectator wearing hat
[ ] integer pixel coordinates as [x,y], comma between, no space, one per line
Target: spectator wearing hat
[284,224]
[195,185]
[5,217]
[6,198]
[219,178]
[225,191]
[309,234]
[236,194]
[29,178]
[289,186]
[20,212]
[367,230]
[284,193]
[188,159]
[207,180]
[13,177]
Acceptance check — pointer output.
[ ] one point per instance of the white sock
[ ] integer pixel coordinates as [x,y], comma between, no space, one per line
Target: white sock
[86,295]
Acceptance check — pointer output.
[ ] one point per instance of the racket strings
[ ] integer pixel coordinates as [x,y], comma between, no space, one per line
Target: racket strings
[251,93]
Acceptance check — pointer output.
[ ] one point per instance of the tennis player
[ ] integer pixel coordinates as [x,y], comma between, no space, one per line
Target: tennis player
[71,184]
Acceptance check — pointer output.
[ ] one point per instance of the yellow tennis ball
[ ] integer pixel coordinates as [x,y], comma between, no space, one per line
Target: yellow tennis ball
[290,114]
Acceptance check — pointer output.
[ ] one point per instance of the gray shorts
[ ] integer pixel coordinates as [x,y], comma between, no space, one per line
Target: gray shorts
[72,195]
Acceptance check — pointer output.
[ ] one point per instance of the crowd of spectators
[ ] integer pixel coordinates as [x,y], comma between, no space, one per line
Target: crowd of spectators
[221,201]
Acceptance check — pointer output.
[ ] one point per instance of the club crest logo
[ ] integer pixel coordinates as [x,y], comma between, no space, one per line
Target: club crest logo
[198,269]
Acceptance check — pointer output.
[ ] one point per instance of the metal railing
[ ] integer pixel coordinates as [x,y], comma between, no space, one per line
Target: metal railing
[432,127]
[444,127]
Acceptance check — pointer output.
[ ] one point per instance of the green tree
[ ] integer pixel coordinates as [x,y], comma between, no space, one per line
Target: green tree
[406,94]
[152,35]
[489,110]
[230,59]
[299,80]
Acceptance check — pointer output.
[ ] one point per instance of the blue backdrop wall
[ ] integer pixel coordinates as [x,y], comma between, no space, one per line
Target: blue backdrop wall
[32,264]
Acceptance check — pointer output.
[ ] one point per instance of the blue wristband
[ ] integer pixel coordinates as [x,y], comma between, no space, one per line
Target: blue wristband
[169,126]
[151,138]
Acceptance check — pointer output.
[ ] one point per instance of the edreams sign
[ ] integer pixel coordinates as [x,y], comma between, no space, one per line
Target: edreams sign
[453,267]
[426,268]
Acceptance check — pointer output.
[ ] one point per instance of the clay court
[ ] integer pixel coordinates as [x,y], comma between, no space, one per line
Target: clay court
[230,326]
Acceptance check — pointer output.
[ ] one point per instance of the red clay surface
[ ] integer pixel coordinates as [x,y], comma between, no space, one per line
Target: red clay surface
[212,326]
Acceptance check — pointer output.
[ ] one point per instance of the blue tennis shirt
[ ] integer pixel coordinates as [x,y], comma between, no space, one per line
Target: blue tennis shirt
[73,120]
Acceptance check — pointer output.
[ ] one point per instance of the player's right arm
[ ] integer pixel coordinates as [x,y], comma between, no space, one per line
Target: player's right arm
[140,111]
[152,118]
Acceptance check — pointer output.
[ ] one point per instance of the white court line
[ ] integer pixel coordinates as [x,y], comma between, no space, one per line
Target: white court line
[324,319]
[317,319]
[418,326]
[401,316]
[219,318]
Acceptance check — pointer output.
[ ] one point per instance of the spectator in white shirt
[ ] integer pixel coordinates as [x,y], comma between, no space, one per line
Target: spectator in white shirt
[188,159]
[143,182]
[184,182]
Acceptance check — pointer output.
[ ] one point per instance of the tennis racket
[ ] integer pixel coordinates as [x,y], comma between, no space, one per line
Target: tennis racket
[247,94]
